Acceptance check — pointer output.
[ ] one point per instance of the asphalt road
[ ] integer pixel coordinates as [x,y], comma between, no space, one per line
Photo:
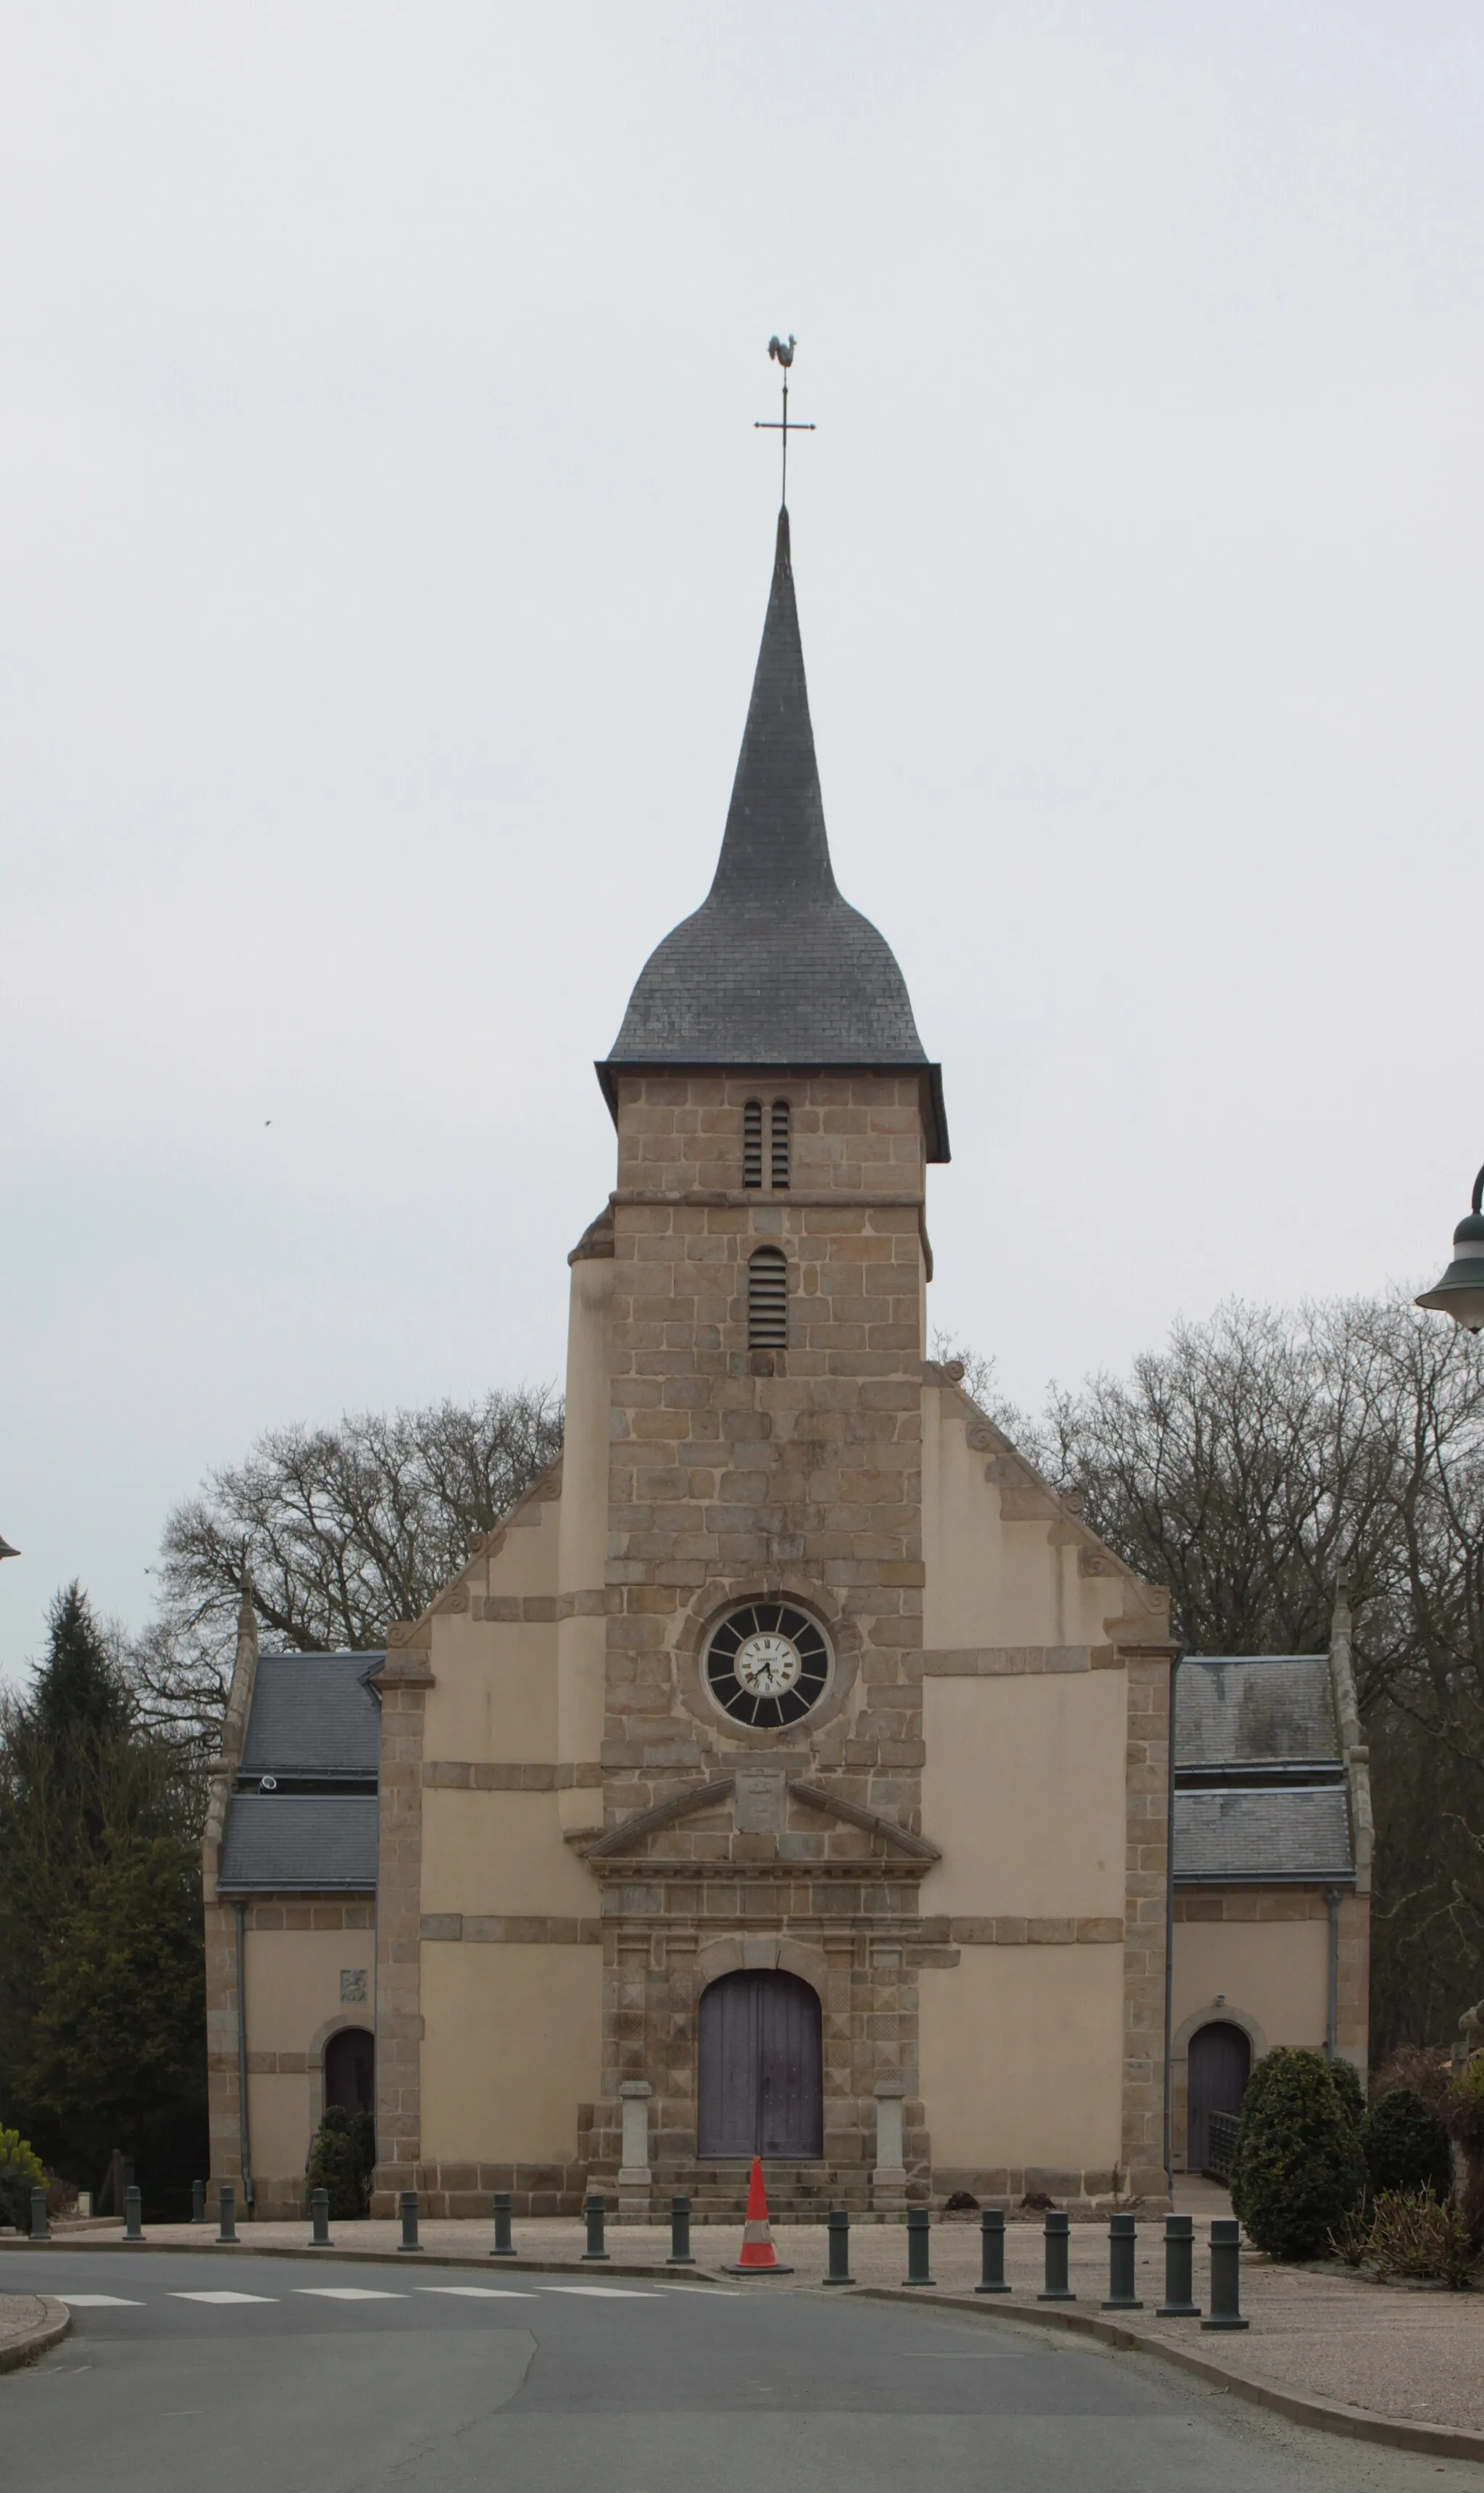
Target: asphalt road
[221,2374]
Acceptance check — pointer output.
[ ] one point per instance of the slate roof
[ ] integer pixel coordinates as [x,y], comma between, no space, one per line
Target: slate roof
[1230,1834]
[1266,1710]
[775,967]
[319,1842]
[312,1714]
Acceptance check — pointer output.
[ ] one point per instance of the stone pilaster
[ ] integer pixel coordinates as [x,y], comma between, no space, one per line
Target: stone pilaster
[401,1684]
[1146,1908]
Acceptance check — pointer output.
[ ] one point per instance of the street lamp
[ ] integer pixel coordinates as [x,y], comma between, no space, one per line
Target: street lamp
[1459,1294]
[6,1551]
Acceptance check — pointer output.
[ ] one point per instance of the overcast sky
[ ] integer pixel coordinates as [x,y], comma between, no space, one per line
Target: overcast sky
[386,544]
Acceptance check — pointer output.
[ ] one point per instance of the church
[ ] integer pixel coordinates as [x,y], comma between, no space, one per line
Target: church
[790,1772]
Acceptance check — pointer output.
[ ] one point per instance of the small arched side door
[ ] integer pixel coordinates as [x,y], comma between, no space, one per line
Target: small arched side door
[1220,2066]
[350,2069]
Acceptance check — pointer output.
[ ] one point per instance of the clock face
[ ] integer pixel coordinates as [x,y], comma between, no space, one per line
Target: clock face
[767,1663]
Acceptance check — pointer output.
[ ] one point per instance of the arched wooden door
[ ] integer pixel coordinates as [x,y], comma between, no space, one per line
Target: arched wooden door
[761,2087]
[1220,2066]
[350,2069]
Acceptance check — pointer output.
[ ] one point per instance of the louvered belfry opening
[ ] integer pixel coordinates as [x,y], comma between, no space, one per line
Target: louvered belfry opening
[767,1300]
[781,1138]
[751,1143]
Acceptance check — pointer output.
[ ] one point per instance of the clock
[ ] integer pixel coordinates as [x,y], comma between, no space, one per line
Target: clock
[767,1663]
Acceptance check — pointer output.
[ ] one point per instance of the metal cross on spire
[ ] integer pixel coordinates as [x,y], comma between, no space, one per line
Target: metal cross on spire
[782,351]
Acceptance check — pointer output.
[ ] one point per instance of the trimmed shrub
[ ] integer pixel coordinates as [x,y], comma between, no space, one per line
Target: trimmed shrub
[1299,2171]
[1405,2146]
[20,2172]
[1352,2087]
[339,2161]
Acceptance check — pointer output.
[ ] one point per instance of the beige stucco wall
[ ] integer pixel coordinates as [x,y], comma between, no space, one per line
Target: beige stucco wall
[1024,1792]
[1021,2058]
[514,2037]
[494,1692]
[1275,1972]
[500,1852]
[991,1580]
[526,1562]
[282,2129]
[293,1993]
[294,1984]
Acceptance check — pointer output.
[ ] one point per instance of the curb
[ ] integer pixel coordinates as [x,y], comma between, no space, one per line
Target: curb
[1324,2414]
[48,2332]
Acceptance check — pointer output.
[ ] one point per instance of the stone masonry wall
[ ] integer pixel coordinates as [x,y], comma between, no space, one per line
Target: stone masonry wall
[736,1473]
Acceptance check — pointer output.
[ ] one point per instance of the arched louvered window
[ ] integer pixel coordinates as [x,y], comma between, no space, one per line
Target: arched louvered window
[767,1300]
[780,1154]
[751,1143]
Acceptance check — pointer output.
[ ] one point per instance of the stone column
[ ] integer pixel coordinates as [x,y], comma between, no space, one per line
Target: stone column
[633,2176]
[888,2181]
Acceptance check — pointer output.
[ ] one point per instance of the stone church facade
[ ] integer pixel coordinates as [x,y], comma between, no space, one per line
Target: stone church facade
[789,1772]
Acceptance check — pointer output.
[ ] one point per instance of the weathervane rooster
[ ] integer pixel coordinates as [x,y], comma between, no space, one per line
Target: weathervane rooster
[780,351]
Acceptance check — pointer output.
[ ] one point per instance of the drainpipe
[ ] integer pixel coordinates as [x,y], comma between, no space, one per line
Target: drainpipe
[241,1912]
[1174,1670]
[1332,1900]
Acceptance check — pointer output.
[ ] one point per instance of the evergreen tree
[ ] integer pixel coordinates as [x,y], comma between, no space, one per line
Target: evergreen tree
[118,2054]
[84,1785]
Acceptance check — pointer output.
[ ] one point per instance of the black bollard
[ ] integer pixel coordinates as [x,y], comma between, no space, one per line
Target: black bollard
[133,2231]
[1179,2269]
[1226,2279]
[1058,2244]
[1121,2234]
[918,2229]
[680,2235]
[593,2211]
[992,2252]
[839,2271]
[40,2231]
[504,2247]
[409,2241]
[198,2203]
[227,2200]
[319,2218]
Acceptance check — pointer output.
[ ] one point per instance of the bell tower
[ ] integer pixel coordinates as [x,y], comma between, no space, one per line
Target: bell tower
[761,1746]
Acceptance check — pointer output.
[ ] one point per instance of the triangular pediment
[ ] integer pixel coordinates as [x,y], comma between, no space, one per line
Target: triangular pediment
[630,1837]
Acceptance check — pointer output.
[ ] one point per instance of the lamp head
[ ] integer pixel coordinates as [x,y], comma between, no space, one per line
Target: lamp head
[1459,1294]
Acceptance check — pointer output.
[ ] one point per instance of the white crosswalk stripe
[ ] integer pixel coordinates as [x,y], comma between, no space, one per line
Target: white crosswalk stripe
[352,2293]
[100,2302]
[176,2296]
[609,2293]
[483,2293]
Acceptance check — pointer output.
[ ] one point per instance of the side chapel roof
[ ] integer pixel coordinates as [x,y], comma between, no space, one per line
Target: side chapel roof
[304,1817]
[775,968]
[1259,1775]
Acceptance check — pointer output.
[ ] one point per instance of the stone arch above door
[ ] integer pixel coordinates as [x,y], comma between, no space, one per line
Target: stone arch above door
[761,1955]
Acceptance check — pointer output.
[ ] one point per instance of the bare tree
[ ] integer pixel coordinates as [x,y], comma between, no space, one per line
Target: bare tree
[341,1531]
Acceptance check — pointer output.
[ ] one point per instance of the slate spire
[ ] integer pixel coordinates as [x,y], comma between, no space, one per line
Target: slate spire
[775,968]
[775,848]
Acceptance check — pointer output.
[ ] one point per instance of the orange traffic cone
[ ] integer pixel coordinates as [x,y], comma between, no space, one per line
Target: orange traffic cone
[758,2257]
